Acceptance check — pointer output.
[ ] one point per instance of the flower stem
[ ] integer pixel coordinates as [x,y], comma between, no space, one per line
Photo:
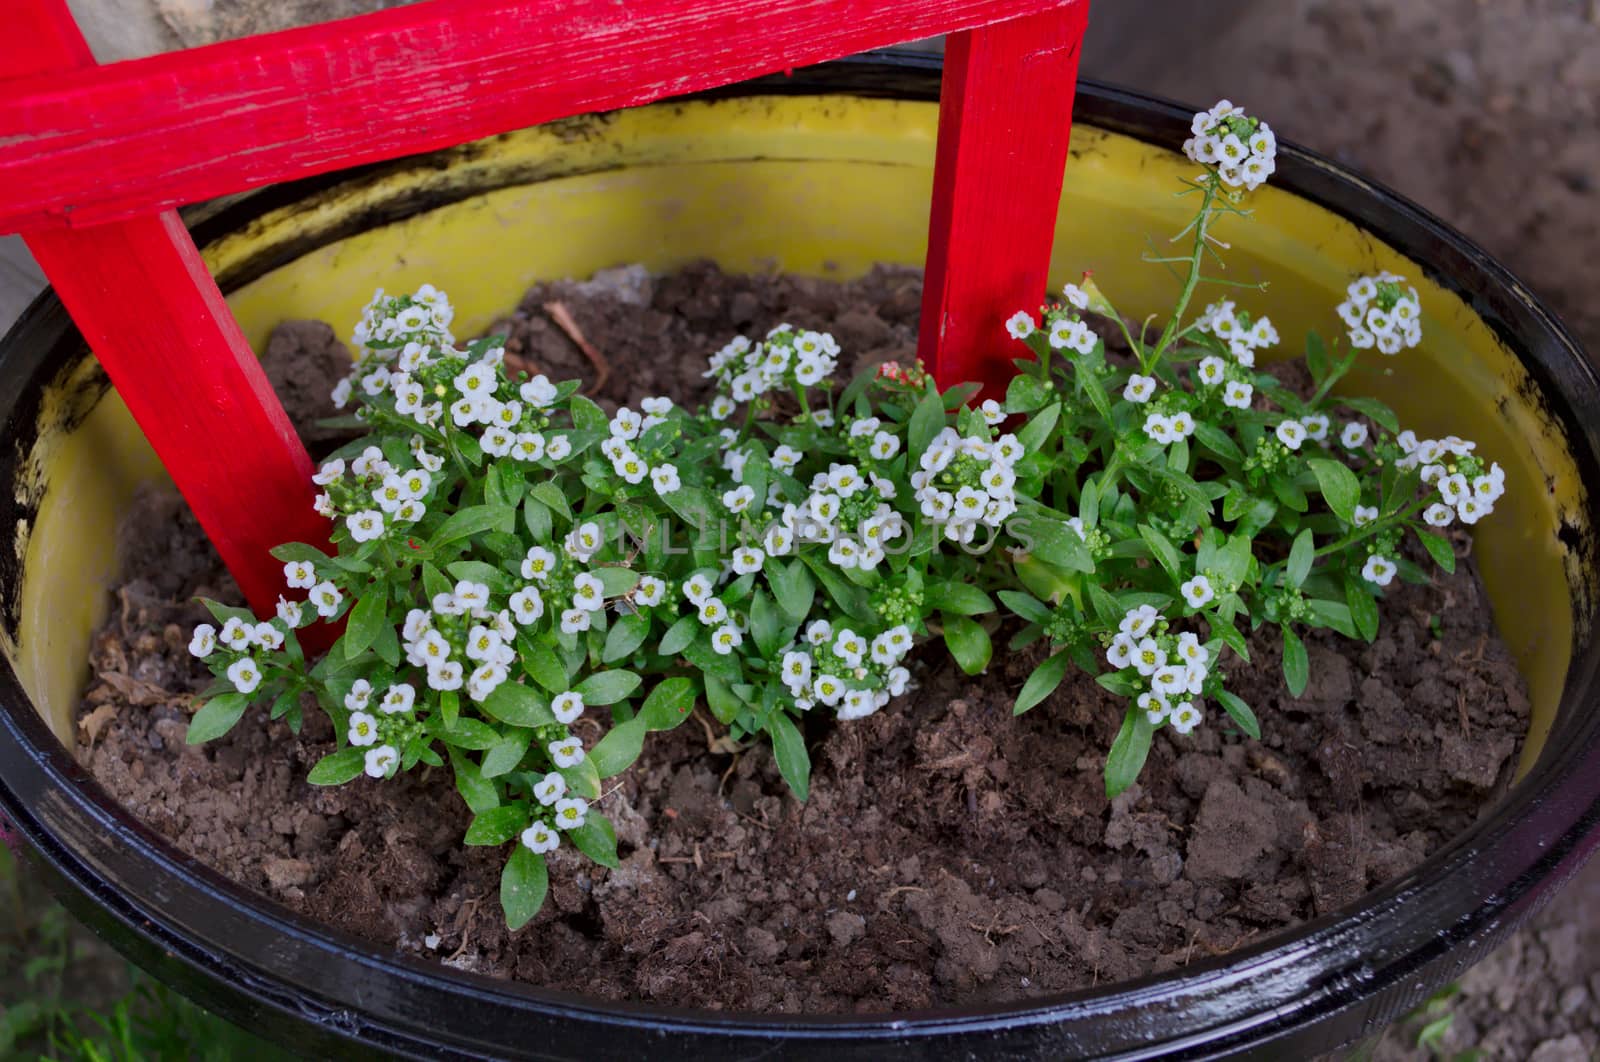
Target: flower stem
[1190,282]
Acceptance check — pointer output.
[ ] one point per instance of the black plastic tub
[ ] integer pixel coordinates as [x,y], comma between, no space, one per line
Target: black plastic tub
[1292,996]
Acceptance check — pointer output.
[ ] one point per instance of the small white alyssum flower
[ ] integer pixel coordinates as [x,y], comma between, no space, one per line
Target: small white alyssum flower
[665,479]
[568,752]
[1020,325]
[549,789]
[1185,717]
[571,812]
[649,592]
[726,638]
[363,729]
[398,698]
[300,575]
[1438,515]
[1139,388]
[244,674]
[1238,394]
[1379,570]
[1242,151]
[1291,433]
[1364,515]
[1353,436]
[540,838]
[204,641]
[326,599]
[380,760]
[1197,591]
[567,707]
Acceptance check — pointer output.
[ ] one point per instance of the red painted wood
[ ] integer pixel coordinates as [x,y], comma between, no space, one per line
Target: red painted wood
[111,142]
[145,302]
[1005,116]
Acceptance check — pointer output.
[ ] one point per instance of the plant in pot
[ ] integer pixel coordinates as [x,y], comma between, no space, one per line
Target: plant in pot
[511,559]
[1086,466]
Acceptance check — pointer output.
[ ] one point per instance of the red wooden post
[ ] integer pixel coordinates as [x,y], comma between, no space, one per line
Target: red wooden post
[1005,116]
[153,315]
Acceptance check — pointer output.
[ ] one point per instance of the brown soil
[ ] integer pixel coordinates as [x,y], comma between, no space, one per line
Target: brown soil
[949,853]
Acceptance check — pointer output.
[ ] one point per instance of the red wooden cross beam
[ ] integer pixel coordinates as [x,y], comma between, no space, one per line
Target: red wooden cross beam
[93,158]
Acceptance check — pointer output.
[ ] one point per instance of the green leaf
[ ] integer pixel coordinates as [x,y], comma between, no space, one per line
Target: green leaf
[967,641]
[582,780]
[1380,413]
[607,687]
[216,717]
[1363,609]
[927,420]
[1240,713]
[299,551]
[723,702]
[1053,542]
[1439,548]
[1296,669]
[523,884]
[1042,683]
[625,635]
[616,581]
[475,519]
[963,599]
[507,755]
[1128,751]
[517,704]
[497,825]
[668,704]
[366,619]
[1165,553]
[789,748]
[471,733]
[850,598]
[1334,614]
[766,625]
[1036,432]
[596,839]
[1217,441]
[543,665]
[792,588]
[1316,357]
[616,752]
[223,613]
[550,496]
[1339,486]
[1024,394]
[1301,554]
[480,795]
[679,636]
[1026,605]
[337,768]
[586,416]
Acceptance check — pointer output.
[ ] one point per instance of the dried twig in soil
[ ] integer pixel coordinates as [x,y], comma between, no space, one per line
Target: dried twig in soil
[563,320]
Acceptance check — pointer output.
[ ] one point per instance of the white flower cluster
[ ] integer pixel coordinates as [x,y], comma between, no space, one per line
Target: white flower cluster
[788,359]
[367,730]
[1166,429]
[1380,313]
[1468,490]
[1241,150]
[844,671]
[965,483]
[1173,669]
[1243,334]
[625,429]
[374,495]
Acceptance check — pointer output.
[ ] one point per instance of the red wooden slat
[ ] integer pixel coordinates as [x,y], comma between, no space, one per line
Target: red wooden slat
[116,141]
[1005,116]
[144,300]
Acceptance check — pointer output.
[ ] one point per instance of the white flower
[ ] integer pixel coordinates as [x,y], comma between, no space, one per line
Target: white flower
[898,679]
[1020,325]
[538,392]
[266,636]
[380,760]
[204,641]
[398,698]
[244,674]
[341,393]
[588,592]
[626,424]
[726,638]
[1211,370]
[829,689]
[991,412]
[329,472]
[365,525]
[739,499]
[786,457]
[540,838]
[529,446]
[1190,651]
[326,598]
[1075,296]
[1471,510]
[1238,394]
[1378,569]
[300,575]
[1438,515]
[1148,656]
[557,448]
[549,789]
[1181,424]
[649,592]
[665,478]
[567,707]
[1139,388]
[497,441]
[1185,717]
[849,647]
[1138,621]
[363,729]
[778,541]
[796,669]
[568,752]
[858,704]
[584,541]
[1453,488]
[575,621]
[1363,515]
[884,446]
[712,611]
[1197,591]
[471,597]
[236,634]
[1159,428]
[538,564]
[1120,652]
[359,697]
[1007,450]
[570,813]
[747,560]
[697,588]
[1291,433]
[1354,435]
[527,605]
[1155,707]
[1169,679]
[819,632]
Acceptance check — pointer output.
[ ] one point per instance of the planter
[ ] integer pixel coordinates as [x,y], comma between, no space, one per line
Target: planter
[727,178]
